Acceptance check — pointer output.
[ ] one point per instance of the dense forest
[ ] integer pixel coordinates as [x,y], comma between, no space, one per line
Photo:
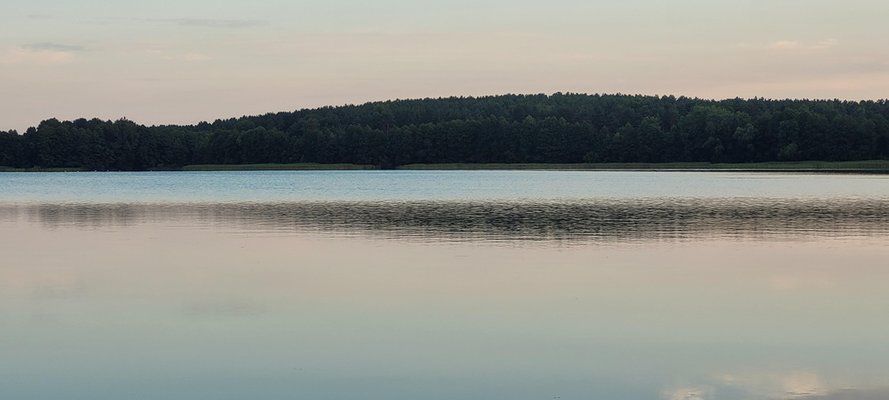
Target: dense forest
[560,128]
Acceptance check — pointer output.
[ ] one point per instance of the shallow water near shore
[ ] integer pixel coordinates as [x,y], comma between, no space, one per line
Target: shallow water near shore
[444,285]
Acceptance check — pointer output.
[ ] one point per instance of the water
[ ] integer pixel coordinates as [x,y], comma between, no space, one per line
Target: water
[443,285]
[285,186]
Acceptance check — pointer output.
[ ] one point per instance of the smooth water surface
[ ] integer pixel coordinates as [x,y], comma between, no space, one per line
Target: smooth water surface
[288,186]
[444,285]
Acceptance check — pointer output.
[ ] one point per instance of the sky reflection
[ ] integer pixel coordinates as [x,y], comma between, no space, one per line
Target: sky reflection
[606,288]
[216,304]
[791,385]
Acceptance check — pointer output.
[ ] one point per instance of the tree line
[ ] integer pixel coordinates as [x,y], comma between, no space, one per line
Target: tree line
[559,128]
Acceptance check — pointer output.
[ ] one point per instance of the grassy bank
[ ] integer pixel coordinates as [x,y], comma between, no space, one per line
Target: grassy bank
[10,169]
[275,167]
[807,166]
[872,166]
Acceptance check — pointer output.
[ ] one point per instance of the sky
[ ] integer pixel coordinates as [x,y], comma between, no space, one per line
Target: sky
[185,61]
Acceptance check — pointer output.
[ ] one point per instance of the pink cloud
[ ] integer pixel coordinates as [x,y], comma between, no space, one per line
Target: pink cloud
[33,56]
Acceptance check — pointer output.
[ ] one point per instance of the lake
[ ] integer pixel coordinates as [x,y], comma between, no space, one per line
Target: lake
[444,285]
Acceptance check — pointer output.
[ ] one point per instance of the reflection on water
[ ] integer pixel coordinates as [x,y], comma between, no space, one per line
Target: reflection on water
[849,394]
[791,386]
[776,291]
[163,301]
[599,220]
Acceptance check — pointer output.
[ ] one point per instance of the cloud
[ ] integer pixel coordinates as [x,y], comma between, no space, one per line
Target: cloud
[36,55]
[195,57]
[826,44]
[191,56]
[797,45]
[784,45]
[48,46]
[215,23]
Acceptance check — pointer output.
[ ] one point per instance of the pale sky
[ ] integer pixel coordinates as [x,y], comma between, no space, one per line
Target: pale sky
[184,61]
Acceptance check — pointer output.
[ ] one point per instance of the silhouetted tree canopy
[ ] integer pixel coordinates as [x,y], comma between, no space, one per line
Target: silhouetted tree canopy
[561,128]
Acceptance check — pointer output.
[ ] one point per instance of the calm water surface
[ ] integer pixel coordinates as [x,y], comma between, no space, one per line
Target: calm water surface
[444,285]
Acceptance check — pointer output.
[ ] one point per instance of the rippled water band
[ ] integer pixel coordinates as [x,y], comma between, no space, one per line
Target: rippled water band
[597,220]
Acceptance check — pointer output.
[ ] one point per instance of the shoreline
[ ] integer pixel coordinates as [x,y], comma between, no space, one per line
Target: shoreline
[852,167]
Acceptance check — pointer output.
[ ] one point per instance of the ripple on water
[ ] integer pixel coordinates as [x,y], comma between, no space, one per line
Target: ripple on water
[581,220]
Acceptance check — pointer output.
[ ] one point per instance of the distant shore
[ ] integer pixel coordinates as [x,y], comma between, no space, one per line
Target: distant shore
[872,166]
[864,167]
